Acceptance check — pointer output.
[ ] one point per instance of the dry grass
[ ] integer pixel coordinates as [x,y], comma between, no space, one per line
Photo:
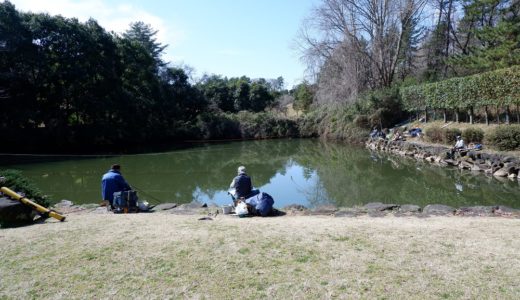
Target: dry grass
[156,256]
[462,126]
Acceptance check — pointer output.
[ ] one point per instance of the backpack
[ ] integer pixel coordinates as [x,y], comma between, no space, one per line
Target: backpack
[262,204]
[125,202]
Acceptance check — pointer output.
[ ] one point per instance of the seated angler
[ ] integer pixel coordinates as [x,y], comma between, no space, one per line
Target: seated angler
[243,185]
[112,182]
[459,147]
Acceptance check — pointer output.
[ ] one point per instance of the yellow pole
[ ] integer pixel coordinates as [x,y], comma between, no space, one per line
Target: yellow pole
[33,205]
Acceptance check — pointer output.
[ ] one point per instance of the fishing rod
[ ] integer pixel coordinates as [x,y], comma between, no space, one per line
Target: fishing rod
[157,201]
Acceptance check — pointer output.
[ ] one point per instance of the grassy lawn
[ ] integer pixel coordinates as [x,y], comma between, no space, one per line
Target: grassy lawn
[169,256]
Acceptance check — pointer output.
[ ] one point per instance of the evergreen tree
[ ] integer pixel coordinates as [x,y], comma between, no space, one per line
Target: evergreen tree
[494,27]
[241,88]
[303,96]
[260,97]
[145,36]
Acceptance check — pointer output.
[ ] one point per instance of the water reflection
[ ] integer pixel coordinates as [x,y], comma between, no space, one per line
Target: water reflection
[307,172]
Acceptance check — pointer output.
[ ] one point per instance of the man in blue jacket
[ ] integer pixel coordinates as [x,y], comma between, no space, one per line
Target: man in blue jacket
[113,182]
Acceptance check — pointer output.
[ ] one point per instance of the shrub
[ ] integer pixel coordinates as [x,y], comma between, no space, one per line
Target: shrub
[384,107]
[473,135]
[15,181]
[353,134]
[362,121]
[505,138]
[450,135]
[435,134]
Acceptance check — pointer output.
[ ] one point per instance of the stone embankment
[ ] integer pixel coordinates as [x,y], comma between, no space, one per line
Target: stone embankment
[14,217]
[476,161]
[374,209]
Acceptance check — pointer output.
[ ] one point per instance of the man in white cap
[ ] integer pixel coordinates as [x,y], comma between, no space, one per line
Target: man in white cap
[242,184]
[459,146]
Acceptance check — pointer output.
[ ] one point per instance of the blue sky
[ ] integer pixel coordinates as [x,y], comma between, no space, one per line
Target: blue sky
[232,38]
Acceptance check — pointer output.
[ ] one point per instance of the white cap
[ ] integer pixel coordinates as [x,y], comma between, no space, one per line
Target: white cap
[241,169]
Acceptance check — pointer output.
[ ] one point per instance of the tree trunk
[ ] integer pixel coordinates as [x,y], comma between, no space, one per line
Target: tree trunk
[517,114]
[486,114]
[498,115]
[434,114]
[457,115]
[470,113]
[507,115]
[425,115]
[445,115]
[447,50]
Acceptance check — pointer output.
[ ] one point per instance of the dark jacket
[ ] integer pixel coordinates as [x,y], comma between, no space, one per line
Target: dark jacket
[243,185]
[113,182]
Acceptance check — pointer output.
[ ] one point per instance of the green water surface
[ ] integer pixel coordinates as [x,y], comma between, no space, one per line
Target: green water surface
[300,171]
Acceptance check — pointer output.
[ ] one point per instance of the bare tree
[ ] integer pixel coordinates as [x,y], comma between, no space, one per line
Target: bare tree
[344,33]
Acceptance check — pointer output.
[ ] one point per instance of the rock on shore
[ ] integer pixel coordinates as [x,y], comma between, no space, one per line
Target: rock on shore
[498,165]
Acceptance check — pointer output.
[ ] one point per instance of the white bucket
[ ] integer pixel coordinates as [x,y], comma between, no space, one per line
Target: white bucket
[226,209]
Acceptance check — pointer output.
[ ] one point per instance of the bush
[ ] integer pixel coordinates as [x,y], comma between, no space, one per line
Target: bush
[505,138]
[362,121]
[244,125]
[435,134]
[450,135]
[473,135]
[353,134]
[15,181]
[384,107]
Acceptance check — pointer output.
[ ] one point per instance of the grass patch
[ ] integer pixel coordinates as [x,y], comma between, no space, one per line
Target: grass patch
[305,257]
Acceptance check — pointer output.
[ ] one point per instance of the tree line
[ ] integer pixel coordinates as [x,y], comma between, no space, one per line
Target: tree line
[65,82]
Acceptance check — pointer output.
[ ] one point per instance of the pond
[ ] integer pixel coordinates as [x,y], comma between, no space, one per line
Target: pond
[299,171]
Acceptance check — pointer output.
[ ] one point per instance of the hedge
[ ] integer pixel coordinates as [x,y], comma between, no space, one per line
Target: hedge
[497,88]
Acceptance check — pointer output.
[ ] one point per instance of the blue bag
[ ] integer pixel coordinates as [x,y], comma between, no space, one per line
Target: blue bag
[262,203]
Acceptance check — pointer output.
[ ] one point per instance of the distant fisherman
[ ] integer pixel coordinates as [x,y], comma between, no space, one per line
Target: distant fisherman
[243,185]
[113,182]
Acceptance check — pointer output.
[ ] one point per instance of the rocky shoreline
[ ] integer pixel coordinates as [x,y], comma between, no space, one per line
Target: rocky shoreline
[496,165]
[17,217]
[375,209]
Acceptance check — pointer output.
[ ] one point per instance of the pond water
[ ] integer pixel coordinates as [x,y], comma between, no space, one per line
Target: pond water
[299,171]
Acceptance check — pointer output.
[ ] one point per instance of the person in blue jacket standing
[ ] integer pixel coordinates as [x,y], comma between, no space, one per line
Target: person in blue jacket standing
[113,182]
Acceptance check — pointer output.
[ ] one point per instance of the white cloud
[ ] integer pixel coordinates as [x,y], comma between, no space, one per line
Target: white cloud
[113,18]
